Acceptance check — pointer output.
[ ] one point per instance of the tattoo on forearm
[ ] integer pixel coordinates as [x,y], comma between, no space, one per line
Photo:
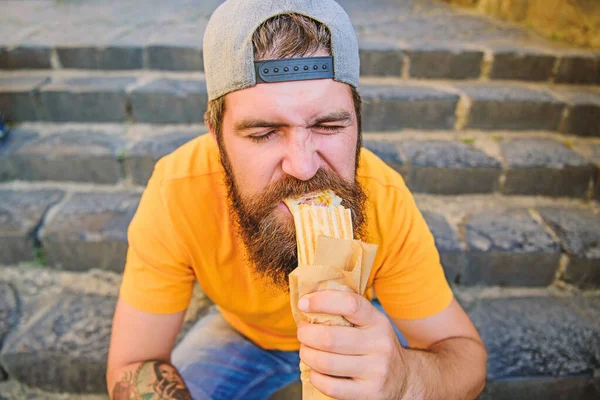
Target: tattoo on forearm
[153,380]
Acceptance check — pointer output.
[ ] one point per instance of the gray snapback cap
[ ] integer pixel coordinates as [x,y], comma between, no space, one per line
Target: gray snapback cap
[229,55]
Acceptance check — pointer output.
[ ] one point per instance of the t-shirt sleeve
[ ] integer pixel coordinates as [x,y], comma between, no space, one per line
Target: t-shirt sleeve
[410,283]
[157,278]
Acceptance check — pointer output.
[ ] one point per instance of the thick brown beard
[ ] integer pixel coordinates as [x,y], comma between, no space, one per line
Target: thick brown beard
[270,240]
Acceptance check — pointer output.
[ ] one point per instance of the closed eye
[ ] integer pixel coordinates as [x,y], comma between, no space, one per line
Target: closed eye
[262,138]
[329,128]
[267,136]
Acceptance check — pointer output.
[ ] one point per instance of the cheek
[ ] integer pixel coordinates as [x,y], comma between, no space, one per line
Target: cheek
[253,170]
[339,152]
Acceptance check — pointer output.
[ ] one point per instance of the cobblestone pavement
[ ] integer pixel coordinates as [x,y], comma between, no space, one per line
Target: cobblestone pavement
[153,21]
[427,28]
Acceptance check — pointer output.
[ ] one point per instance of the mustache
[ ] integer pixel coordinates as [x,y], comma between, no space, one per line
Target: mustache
[256,211]
[289,186]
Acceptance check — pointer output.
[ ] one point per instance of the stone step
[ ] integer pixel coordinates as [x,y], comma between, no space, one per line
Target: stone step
[389,103]
[15,390]
[539,347]
[483,239]
[378,57]
[415,38]
[542,343]
[57,336]
[467,162]
[436,162]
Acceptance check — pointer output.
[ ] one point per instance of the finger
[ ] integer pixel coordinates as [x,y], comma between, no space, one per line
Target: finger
[163,385]
[336,339]
[356,309]
[339,365]
[170,389]
[338,388]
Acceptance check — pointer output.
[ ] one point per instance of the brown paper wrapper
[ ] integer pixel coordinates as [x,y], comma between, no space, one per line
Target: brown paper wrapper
[339,264]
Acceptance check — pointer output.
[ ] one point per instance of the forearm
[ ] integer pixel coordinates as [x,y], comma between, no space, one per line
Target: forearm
[149,377]
[454,368]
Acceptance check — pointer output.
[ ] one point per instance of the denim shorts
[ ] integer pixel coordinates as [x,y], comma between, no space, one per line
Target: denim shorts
[216,362]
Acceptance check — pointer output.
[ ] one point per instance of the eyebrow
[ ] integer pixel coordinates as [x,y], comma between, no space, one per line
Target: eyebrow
[337,116]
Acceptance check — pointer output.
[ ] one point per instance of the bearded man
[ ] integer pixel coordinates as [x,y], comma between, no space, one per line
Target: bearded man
[284,117]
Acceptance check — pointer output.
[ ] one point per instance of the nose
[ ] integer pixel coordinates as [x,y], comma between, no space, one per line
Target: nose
[301,158]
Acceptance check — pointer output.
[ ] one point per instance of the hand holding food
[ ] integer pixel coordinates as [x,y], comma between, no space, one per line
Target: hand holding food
[328,258]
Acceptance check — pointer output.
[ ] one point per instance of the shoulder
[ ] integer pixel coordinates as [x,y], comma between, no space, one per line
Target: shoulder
[390,204]
[378,178]
[198,158]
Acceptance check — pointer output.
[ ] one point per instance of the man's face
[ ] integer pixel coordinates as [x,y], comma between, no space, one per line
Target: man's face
[281,140]
[290,128]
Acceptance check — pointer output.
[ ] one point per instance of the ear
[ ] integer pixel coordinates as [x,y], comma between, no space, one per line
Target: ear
[211,131]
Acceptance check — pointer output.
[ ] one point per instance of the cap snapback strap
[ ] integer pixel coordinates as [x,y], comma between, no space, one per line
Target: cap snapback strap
[293,69]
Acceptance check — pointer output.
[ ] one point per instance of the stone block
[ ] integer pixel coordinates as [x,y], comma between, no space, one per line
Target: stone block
[579,234]
[170,101]
[35,285]
[11,143]
[90,231]
[25,57]
[445,167]
[389,153]
[584,113]
[88,99]
[509,248]
[13,389]
[596,160]
[140,159]
[432,22]
[511,107]
[9,314]
[587,304]
[523,64]
[545,167]
[577,387]
[444,62]
[394,107]
[538,336]
[175,58]
[79,156]
[381,59]
[105,58]
[21,213]
[64,348]
[449,245]
[579,69]
[596,193]
[19,97]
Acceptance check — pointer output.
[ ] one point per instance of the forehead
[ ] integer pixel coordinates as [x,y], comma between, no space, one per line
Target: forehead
[294,102]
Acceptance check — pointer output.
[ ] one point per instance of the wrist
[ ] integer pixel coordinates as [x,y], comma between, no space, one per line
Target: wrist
[412,385]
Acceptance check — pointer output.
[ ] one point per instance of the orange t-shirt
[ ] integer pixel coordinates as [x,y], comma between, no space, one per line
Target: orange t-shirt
[183,231]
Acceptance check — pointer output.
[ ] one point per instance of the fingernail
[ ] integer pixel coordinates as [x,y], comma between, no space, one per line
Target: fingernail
[303,304]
